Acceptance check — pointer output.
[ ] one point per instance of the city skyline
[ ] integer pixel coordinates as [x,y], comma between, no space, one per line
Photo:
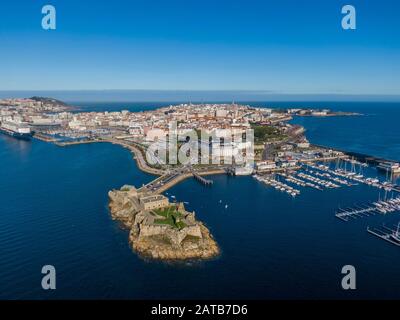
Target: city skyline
[199,157]
[260,46]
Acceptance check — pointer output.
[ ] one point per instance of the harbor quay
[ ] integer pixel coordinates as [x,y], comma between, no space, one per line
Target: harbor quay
[159,229]
[210,139]
[200,156]
[167,178]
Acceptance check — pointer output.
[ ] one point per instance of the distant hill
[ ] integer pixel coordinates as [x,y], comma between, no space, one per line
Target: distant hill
[49,101]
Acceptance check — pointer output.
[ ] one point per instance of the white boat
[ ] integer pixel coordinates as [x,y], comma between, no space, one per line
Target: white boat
[16,129]
[396,235]
[389,167]
[243,171]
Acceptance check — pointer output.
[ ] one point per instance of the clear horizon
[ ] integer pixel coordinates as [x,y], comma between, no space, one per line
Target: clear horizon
[191,96]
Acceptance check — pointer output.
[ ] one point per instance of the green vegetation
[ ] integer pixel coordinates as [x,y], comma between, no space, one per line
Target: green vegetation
[190,238]
[162,239]
[171,216]
[265,133]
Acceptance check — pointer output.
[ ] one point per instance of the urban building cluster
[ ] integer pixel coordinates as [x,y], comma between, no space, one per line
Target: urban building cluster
[276,142]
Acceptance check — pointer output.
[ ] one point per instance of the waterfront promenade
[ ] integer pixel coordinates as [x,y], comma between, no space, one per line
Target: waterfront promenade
[139,157]
[166,178]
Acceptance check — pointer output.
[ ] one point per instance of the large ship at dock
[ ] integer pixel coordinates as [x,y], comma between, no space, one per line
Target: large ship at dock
[16,129]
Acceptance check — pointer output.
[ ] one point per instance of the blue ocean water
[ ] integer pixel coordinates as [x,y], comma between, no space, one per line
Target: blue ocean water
[54,211]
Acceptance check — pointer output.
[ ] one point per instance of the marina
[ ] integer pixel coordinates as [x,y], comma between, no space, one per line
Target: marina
[332,175]
[299,182]
[337,174]
[389,234]
[363,210]
[209,158]
[317,181]
[329,176]
[311,213]
[352,177]
[280,186]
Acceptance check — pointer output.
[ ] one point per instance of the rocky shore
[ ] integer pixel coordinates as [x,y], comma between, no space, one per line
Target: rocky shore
[159,229]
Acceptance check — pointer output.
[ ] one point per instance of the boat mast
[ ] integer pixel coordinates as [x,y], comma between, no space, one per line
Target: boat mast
[397,231]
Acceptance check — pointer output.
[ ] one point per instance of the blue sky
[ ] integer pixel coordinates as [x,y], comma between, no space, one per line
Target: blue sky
[283,46]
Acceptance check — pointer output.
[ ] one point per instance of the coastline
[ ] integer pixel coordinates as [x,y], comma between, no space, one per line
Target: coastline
[140,161]
[268,215]
[194,241]
[337,114]
[153,236]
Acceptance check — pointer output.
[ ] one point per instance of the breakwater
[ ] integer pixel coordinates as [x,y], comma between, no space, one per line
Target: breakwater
[164,181]
[359,156]
[139,157]
[159,238]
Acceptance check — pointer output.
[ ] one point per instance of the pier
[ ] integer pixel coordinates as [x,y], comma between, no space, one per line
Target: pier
[316,176]
[173,177]
[359,156]
[132,146]
[277,170]
[352,176]
[278,185]
[43,137]
[389,234]
[202,180]
[166,178]
[378,207]
[356,212]
[324,159]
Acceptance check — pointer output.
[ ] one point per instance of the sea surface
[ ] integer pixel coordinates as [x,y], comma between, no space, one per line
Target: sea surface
[54,212]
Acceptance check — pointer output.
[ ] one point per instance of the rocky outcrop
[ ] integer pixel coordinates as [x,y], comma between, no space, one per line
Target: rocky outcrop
[121,208]
[161,241]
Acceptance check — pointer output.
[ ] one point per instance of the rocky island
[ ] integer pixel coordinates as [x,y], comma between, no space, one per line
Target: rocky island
[160,229]
[205,134]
